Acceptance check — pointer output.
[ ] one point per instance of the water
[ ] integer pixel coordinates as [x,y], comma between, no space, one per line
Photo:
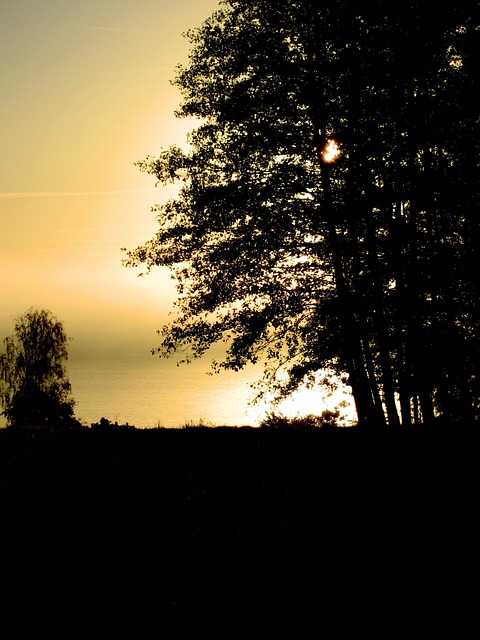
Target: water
[147,391]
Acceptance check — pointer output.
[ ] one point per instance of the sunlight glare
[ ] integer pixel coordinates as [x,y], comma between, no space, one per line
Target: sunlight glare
[313,401]
[331,151]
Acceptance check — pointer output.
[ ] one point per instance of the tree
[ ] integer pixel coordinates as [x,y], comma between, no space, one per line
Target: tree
[34,389]
[359,262]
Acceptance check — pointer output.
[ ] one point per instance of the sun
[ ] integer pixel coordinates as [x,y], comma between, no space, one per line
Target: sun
[331,151]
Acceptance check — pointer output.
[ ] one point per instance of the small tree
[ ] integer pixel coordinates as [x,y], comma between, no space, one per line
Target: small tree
[34,389]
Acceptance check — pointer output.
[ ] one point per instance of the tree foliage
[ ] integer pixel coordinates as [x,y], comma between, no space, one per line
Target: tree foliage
[34,388]
[366,266]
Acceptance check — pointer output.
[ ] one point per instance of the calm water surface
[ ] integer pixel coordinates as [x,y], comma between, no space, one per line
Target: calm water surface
[147,391]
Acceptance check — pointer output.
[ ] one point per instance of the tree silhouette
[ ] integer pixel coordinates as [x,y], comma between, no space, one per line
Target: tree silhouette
[361,262]
[34,389]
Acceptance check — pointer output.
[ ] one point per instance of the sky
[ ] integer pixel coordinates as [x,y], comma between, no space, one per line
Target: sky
[86,93]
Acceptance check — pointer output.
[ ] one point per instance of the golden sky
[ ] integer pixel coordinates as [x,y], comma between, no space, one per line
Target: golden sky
[85,94]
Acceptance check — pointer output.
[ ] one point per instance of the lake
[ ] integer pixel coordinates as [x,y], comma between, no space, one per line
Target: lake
[149,392]
[146,391]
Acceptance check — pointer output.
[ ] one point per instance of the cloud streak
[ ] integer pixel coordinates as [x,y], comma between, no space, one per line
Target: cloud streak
[66,194]
[119,29]
[109,73]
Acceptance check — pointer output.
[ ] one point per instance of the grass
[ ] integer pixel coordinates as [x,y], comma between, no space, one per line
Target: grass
[241,482]
[182,504]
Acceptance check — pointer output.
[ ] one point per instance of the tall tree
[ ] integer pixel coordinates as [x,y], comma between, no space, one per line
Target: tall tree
[329,201]
[34,388]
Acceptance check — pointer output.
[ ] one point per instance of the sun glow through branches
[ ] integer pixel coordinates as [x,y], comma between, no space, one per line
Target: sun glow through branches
[331,151]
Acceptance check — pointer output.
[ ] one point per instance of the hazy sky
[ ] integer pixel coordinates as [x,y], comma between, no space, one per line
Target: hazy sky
[85,94]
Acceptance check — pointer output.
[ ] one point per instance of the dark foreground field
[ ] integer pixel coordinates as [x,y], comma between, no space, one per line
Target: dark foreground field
[243,516]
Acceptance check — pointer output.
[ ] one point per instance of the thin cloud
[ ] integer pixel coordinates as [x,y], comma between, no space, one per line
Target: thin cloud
[109,73]
[119,29]
[66,194]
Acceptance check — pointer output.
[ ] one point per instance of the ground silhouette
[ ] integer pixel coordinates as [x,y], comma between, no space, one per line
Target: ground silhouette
[166,511]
